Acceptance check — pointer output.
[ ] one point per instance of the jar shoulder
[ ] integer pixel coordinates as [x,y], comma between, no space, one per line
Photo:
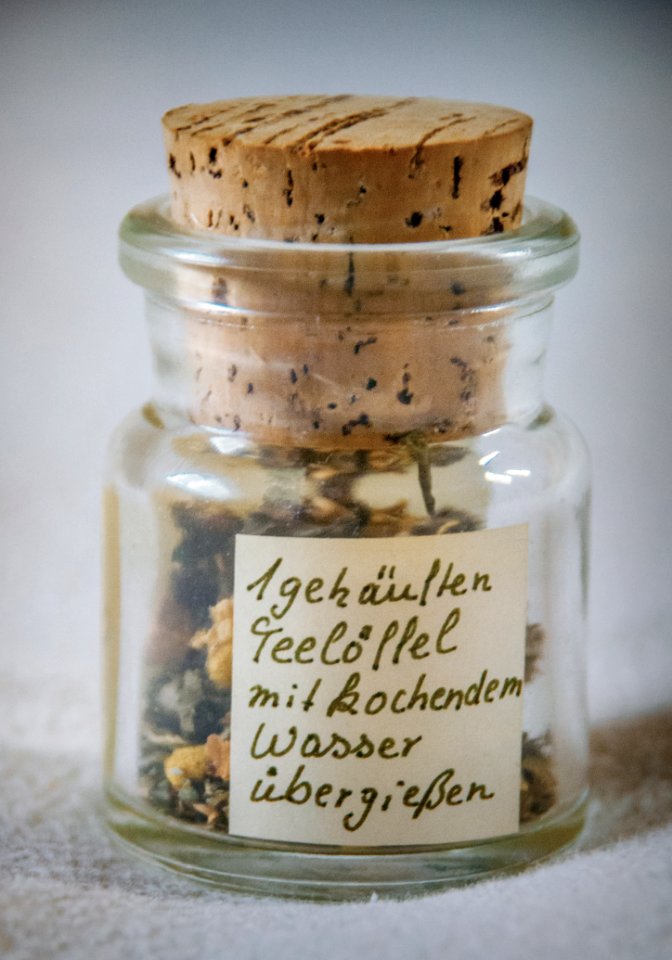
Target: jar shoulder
[137,431]
[148,450]
[552,444]
[539,465]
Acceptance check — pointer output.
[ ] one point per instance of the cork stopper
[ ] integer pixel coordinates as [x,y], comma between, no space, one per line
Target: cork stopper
[324,170]
[349,169]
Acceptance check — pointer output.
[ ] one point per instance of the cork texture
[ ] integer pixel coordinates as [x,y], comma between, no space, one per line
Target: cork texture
[344,348]
[360,383]
[353,169]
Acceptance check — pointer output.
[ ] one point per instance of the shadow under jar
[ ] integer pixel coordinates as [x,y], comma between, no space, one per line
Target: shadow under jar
[346,564]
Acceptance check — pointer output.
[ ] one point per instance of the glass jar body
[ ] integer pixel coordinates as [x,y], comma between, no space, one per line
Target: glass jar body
[186,492]
[172,489]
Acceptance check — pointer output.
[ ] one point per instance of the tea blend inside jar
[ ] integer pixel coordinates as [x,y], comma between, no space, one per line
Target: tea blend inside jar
[345,563]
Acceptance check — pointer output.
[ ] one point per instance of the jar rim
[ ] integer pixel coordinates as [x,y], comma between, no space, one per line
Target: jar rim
[540,255]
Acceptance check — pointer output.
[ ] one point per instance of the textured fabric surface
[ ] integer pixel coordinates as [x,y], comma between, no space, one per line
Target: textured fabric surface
[68,892]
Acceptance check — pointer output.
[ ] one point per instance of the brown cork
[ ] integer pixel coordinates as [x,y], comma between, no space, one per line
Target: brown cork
[353,169]
[350,381]
[397,349]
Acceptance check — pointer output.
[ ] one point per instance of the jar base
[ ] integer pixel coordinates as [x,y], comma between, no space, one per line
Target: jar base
[246,867]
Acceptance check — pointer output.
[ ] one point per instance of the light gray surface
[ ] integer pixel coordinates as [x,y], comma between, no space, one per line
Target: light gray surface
[67,893]
[82,88]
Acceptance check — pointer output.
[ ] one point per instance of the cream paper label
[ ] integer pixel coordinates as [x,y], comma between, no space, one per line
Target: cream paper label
[378,688]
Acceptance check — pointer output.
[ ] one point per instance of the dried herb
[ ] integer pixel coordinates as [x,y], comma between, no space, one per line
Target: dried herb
[186,702]
[185,747]
[535,639]
[538,788]
[203,560]
[185,743]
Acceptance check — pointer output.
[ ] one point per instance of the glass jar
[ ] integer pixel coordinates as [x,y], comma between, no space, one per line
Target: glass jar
[346,564]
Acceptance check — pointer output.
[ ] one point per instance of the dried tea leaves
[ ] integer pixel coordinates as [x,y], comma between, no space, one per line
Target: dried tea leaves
[185,765]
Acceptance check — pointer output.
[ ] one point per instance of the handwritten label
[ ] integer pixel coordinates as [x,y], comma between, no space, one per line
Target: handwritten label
[378,687]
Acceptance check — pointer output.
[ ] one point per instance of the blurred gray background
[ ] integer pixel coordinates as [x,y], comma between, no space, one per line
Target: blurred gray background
[82,90]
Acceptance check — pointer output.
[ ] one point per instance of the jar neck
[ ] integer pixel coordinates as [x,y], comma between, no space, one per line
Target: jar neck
[352,379]
[349,345]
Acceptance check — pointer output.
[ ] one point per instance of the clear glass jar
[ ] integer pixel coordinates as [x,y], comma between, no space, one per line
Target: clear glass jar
[374,416]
